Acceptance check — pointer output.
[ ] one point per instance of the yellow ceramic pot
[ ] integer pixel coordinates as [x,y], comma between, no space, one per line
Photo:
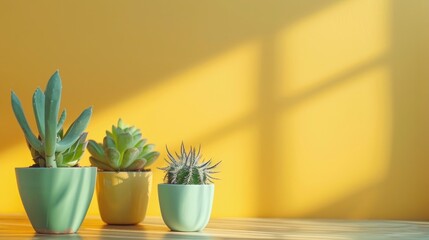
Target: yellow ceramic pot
[123,197]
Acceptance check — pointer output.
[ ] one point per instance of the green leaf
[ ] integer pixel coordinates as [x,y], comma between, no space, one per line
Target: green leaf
[108,142]
[61,121]
[119,131]
[110,135]
[133,130]
[52,107]
[136,165]
[113,158]
[121,124]
[74,153]
[124,141]
[75,130]
[136,138]
[96,150]
[114,132]
[140,144]
[100,165]
[81,150]
[151,157]
[146,149]
[60,134]
[20,117]
[59,159]
[78,144]
[39,111]
[67,158]
[130,155]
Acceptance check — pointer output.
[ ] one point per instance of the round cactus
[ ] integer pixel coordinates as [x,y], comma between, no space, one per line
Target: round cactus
[187,169]
[123,149]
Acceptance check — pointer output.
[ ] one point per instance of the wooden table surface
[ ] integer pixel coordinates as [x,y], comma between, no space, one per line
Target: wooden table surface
[18,227]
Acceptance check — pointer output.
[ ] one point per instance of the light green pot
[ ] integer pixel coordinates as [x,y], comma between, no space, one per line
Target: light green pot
[56,199]
[186,208]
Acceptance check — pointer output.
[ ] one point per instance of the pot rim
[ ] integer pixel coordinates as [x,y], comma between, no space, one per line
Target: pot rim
[58,168]
[114,172]
[185,185]
[122,171]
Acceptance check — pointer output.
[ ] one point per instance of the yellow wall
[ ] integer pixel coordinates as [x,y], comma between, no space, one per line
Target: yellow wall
[316,108]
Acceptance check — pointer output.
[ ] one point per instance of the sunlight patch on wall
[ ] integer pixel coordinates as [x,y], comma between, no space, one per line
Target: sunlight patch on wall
[331,41]
[339,142]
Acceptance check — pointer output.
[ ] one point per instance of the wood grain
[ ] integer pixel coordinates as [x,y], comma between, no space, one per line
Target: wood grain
[18,227]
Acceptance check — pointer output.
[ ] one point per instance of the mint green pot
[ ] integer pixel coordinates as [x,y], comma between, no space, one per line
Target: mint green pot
[186,208]
[56,199]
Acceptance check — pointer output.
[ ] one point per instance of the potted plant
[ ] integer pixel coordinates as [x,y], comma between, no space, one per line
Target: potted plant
[187,196]
[55,192]
[124,182]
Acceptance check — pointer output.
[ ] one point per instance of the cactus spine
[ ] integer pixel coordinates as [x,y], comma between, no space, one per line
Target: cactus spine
[185,169]
[50,145]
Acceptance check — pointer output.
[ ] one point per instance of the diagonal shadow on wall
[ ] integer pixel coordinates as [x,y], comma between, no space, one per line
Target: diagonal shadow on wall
[399,195]
[166,38]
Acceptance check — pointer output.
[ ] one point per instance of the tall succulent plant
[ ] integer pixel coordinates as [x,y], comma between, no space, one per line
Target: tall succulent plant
[123,149]
[51,148]
[187,169]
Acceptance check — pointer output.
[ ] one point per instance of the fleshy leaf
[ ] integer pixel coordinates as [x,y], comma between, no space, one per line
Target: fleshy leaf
[151,157]
[130,155]
[100,164]
[124,141]
[20,116]
[75,130]
[136,165]
[108,142]
[113,157]
[39,111]
[96,150]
